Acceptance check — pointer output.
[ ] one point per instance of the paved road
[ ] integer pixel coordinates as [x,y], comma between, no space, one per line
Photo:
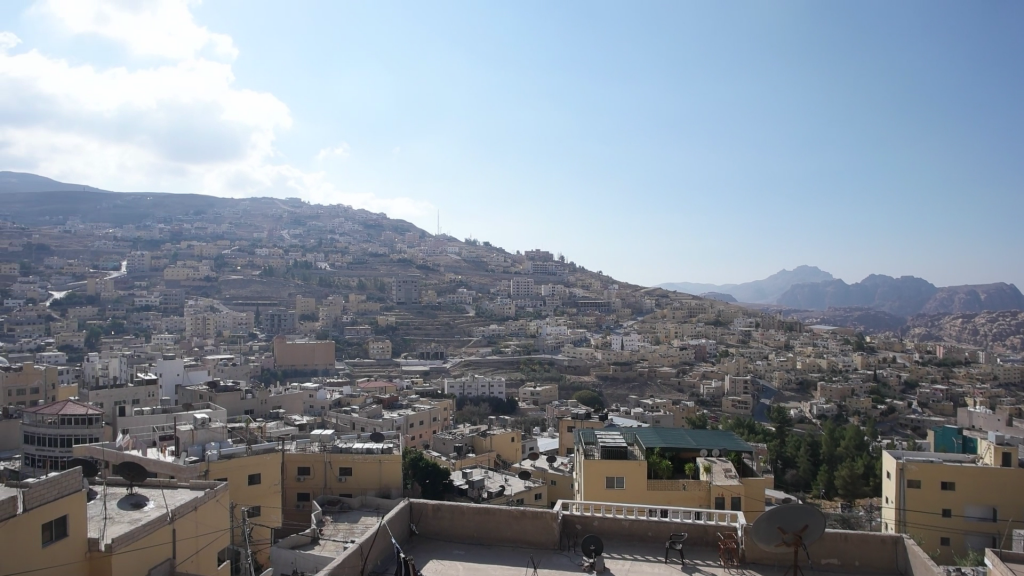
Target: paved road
[765,403]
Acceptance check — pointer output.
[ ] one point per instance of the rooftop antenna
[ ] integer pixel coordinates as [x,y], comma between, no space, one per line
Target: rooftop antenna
[133,473]
[592,548]
[789,527]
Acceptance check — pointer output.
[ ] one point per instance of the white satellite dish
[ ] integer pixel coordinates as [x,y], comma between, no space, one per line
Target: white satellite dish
[790,527]
[716,452]
[703,453]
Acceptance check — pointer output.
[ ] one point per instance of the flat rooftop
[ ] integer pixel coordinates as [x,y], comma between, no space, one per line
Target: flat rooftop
[125,513]
[340,528]
[437,558]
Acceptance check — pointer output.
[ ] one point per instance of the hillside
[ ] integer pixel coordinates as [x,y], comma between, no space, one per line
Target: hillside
[765,291]
[904,296]
[24,182]
[1001,331]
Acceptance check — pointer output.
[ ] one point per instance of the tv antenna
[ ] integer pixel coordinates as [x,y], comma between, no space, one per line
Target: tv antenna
[789,527]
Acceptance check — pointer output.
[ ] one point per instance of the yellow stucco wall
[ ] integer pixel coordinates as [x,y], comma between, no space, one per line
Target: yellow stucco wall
[21,548]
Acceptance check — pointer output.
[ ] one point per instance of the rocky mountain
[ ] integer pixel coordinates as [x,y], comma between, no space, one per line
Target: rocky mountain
[904,296]
[865,320]
[764,291]
[1001,331]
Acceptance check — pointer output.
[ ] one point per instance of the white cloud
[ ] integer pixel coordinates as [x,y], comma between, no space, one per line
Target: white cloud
[183,126]
[8,40]
[162,28]
[341,151]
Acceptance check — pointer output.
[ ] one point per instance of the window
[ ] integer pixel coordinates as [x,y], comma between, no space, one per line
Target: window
[554,483]
[33,390]
[302,497]
[250,412]
[914,484]
[570,429]
[255,479]
[305,471]
[615,482]
[55,530]
[888,475]
[736,503]
[345,471]
[719,502]
[948,486]
[943,541]
[136,401]
[537,496]
[947,513]
[253,512]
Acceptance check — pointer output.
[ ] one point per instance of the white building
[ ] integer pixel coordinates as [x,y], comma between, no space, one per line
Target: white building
[475,387]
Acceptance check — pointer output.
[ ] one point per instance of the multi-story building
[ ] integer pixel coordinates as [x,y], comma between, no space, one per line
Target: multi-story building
[951,503]
[475,386]
[740,405]
[406,289]
[279,321]
[49,433]
[555,471]
[520,287]
[303,354]
[137,262]
[537,395]
[379,349]
[305,305]
[141,391]
[27,384]
[611,466]
[417,421]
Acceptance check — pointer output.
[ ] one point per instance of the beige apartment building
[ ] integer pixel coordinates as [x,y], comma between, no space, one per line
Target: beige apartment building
[28,384]
[303,354]
[55,531]
[611,466]
[950,503]
[537,395]
[379,349]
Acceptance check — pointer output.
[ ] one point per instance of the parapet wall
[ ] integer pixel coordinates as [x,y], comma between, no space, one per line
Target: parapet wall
[486,525]
[853,552]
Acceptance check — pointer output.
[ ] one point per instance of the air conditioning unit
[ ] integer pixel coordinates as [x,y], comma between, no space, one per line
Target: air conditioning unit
[342,478]
[300,478]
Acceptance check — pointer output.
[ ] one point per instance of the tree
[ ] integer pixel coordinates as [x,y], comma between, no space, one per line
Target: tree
[690,469]
[589,398]
[658,467]
[698,422]
[849,484]
[92,337]
[433,479]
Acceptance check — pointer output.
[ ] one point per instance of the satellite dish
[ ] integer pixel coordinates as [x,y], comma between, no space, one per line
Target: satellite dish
[133,472]
[376,437]
[592,546]
[525,475]
[716,452]
[551,459]
[534,456]
[789,527]
[703,453]
[89,468]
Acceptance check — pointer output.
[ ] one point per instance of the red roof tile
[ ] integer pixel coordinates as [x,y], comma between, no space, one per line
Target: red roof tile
[65,408]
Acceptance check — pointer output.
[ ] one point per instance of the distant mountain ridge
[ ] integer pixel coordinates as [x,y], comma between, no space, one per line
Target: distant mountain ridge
[904,296]
[16,182]
[765,291]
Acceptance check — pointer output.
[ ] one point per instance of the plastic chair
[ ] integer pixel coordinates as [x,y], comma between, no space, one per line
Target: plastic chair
[675,542]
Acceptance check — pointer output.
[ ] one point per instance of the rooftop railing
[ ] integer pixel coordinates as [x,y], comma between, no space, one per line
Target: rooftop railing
[697,516]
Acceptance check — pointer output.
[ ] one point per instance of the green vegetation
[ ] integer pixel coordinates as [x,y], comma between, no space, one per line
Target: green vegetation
[433,479]
[589,398]
[658,467]
[841,462]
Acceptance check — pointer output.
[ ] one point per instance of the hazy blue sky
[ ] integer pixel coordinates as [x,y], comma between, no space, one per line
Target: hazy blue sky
[675,141]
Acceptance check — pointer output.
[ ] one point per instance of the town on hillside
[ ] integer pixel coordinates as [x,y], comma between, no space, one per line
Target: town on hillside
[257,386]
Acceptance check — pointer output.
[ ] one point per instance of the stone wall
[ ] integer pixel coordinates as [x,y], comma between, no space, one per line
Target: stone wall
[50,488]
[486,525]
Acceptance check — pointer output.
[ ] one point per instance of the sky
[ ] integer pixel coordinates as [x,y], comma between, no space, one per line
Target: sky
[656,141]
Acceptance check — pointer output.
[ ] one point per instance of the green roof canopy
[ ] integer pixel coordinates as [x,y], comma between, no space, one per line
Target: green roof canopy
[687,439]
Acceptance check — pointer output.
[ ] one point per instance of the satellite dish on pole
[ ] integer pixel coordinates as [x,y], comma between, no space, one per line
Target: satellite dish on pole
[133,473]
[376,437]
[525,475]
[534,456]
[592,548]
[551,459]
[788,527]
[716,452]
[703,453]
[89,468]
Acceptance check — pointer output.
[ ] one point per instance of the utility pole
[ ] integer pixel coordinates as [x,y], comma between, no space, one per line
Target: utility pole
[251,568]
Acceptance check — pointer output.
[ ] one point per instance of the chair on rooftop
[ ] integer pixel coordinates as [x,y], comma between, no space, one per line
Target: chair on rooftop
[675,542]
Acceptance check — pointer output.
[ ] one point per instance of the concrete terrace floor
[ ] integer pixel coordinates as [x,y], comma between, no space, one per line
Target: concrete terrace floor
[438,558]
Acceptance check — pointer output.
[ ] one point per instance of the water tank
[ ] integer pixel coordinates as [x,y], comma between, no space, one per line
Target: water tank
[212,456]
